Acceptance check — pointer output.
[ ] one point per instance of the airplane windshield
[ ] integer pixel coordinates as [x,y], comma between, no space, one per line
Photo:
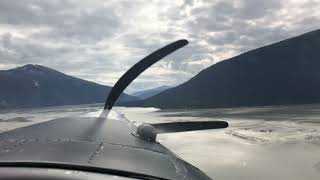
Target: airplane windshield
[182,89]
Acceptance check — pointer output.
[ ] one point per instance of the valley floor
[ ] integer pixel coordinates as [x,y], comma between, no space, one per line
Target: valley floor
[281,142]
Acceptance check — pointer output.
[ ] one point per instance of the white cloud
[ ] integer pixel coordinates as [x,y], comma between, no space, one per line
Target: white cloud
[201,62]
[99,40]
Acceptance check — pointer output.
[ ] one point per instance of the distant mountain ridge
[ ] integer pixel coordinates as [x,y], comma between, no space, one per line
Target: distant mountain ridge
[39,86]
[287,72]
[150,92]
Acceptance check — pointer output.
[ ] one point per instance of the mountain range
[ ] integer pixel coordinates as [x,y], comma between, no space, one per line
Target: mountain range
[150,92]
[286,72]
[38,86]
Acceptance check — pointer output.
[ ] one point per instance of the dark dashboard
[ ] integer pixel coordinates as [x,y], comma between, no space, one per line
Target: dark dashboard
[19,173]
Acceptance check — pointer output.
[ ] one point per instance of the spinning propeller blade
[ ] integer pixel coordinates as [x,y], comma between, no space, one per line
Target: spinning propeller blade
[138,68]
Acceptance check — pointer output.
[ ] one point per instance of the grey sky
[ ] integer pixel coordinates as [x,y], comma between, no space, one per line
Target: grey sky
[99,40]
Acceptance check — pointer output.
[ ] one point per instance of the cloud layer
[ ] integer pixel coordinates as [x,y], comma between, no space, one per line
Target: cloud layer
[99,40]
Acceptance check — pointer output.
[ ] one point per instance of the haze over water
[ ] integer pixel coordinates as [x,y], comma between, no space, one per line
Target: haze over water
[279,142]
